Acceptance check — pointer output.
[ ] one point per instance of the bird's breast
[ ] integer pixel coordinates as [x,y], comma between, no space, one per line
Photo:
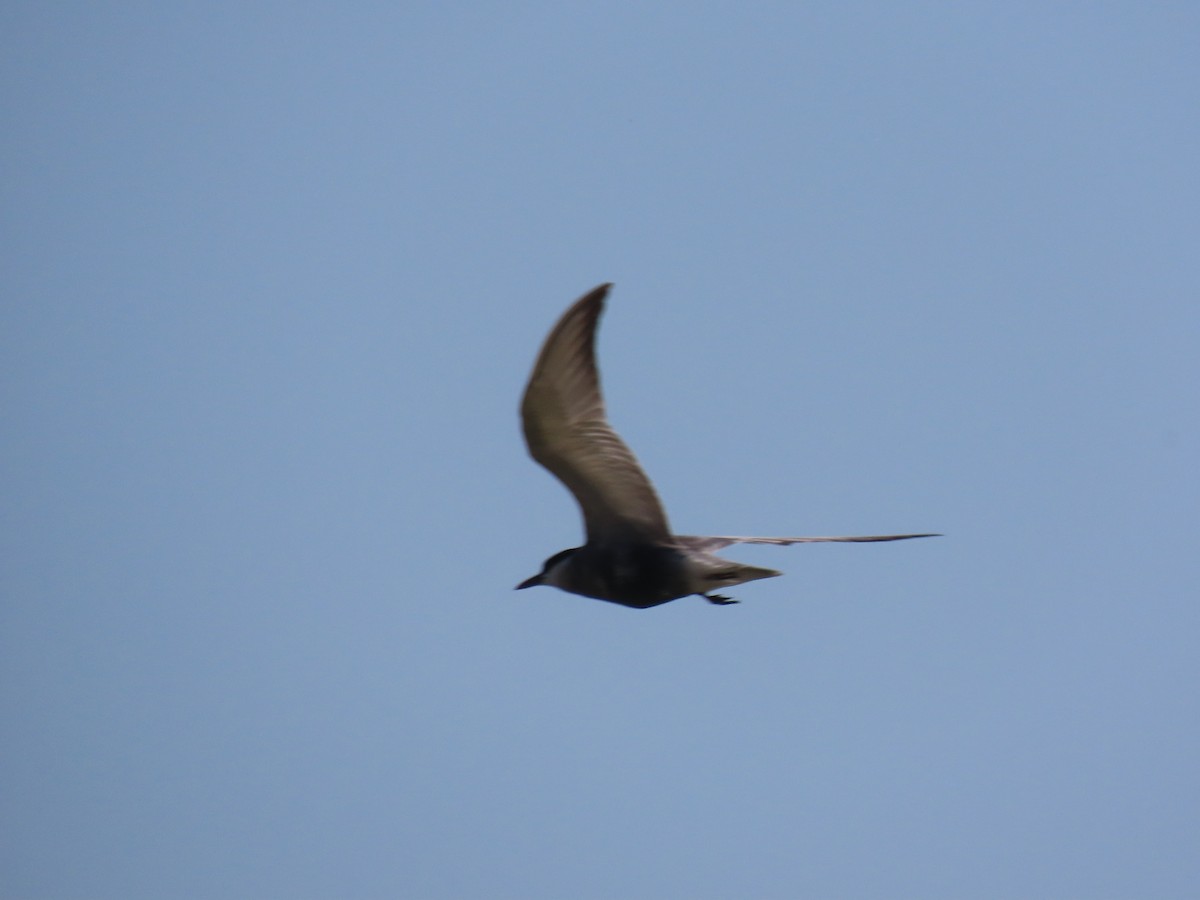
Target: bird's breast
[632,574]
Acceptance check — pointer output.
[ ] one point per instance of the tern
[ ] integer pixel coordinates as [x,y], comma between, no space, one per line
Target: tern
[630,556]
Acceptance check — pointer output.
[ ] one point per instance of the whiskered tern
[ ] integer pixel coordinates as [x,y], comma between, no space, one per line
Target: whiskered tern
[630,557]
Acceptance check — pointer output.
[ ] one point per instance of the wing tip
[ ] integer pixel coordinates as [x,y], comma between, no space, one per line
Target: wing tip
[598,294]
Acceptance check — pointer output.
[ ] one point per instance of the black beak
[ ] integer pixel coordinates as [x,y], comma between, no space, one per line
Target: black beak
[529,582]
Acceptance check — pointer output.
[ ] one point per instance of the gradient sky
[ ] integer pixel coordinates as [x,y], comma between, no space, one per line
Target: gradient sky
[274,275]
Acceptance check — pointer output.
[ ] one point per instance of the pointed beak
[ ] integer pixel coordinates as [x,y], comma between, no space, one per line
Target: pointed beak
[529,582]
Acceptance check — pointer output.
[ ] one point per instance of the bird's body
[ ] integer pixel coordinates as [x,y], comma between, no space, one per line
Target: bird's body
[631,557]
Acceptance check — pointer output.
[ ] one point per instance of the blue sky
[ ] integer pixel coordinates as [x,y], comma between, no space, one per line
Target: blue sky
[274,277]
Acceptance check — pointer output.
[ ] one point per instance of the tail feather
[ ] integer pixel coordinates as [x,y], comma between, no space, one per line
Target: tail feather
[715,572]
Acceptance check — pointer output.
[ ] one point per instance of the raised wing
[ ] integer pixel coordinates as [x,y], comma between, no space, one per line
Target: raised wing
[567,432]
[710,544]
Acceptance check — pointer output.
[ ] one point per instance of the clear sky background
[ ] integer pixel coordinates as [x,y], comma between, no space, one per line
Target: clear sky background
[273,277]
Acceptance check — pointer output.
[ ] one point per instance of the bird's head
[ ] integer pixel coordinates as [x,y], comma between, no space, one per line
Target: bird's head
[552,570]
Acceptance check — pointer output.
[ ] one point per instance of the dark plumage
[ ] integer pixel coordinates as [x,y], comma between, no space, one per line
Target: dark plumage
[630,556]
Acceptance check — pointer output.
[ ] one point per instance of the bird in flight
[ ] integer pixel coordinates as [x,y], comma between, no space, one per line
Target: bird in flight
[630,557]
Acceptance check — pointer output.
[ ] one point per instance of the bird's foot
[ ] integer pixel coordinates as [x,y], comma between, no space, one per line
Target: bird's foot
[719,599]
